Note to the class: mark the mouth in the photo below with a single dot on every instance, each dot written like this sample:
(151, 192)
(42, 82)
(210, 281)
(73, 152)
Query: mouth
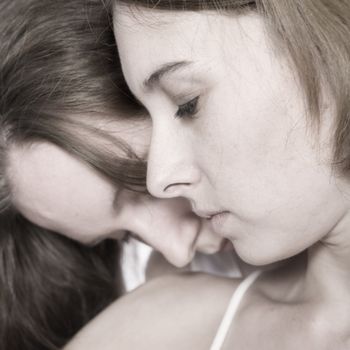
(208, 215)
(217, 219)
(211, 216)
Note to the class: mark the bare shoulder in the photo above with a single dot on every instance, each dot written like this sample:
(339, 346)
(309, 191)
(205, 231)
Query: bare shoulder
(171, 312)
(187, 285)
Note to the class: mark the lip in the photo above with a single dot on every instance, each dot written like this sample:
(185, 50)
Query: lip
(206, 214)
(216, 218)
(218, 222)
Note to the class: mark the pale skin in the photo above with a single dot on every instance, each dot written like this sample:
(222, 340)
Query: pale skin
(229, 109)
(163, 314)
(295, 203)
(184, 311)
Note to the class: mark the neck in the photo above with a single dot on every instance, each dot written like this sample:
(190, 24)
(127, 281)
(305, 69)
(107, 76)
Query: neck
(328, 271)
(328, 268)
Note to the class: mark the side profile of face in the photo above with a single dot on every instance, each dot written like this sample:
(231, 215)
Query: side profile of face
(58, 192)
(230, 130)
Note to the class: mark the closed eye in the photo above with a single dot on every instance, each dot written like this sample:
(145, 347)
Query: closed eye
(188, 109)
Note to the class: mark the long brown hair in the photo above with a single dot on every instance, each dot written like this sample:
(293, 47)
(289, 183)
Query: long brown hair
(58, 74)
(314, 34)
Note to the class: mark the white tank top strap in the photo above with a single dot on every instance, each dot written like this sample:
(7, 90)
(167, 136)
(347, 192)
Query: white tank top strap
(232, 308)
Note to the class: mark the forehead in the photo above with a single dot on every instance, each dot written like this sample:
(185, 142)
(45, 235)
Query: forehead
(165, 37)
(158, 31)
(51, 187)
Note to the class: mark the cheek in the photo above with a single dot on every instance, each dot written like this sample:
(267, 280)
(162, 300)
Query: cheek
(265, 168)
(288, 234)
(269, 228)
(247, 147)
(89, 215)
(282, 220)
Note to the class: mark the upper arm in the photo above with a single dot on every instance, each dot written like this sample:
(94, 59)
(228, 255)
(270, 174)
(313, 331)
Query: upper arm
(175, 312)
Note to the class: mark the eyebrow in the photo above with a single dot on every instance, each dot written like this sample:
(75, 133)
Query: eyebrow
(165, 69)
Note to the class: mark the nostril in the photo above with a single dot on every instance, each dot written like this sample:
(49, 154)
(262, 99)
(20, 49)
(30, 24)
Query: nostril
(174, 186)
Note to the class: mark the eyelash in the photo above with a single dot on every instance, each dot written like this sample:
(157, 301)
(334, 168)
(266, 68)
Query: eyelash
(126, 237)
(188, 109)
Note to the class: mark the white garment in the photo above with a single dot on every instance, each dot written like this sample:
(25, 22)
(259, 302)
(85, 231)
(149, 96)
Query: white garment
(134, 261)
(231, 311)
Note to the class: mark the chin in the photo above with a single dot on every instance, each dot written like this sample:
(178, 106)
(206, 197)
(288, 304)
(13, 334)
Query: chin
(258, 257)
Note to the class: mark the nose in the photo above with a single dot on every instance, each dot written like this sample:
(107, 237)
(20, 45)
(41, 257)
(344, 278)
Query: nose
(177, 244)
(172, 170)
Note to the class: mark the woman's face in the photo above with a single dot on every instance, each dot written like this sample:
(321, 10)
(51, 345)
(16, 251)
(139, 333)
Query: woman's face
(58, 192)
(230, 131)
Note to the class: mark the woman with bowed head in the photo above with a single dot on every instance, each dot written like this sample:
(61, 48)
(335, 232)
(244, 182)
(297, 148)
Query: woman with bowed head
(250, 108)
(72, 174)
(50, 285)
